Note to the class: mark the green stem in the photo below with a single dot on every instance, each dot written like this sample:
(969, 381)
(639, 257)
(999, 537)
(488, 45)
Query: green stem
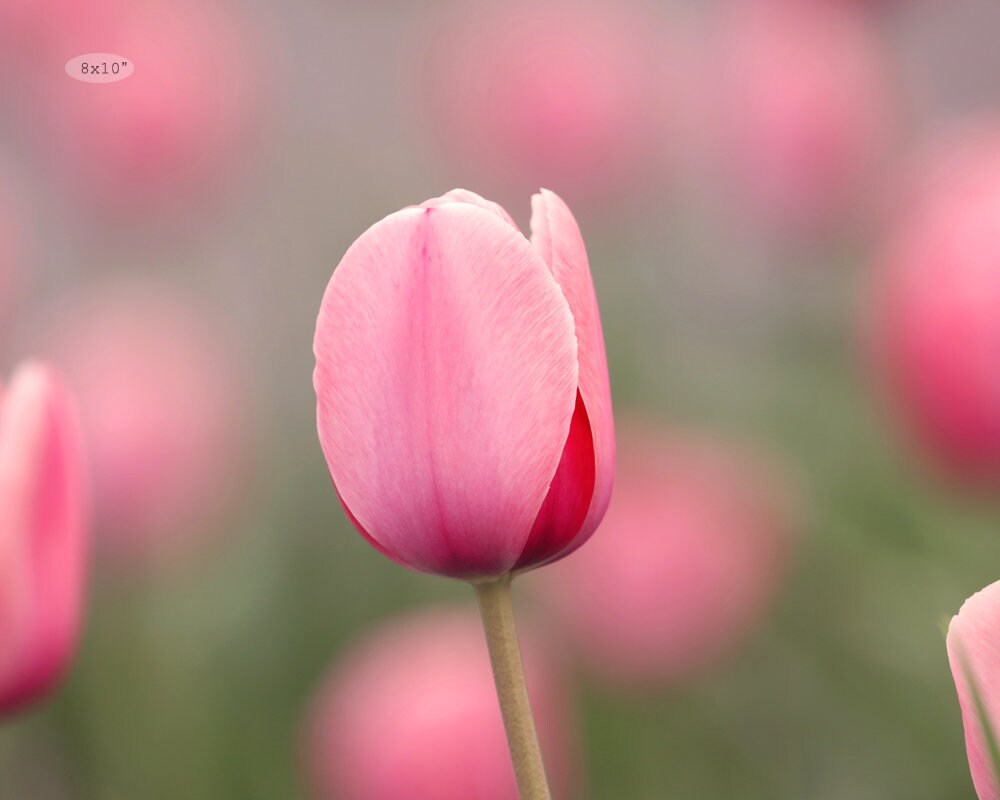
(512, 691)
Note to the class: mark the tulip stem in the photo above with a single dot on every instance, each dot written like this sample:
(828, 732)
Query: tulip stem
(512, 690)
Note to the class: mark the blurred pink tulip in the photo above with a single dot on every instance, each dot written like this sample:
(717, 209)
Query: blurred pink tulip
(411, 714)
(29, 29)
(166, 136)
(43, 535)
(564, 94)
(935, 315)
(165, 411)
(803, 110)
(692, 551)
(463, 399)
(974, 652)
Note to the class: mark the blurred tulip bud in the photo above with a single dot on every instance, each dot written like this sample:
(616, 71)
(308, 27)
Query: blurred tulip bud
(411, 714)
(563, 94)
(30, 29)
(165, 410)
(974, 654)
(164, 138)
(690, 555)
(935, 312)
(43, 535)
(463, 399)
(802, 110)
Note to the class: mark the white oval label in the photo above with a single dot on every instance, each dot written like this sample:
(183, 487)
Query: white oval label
(99, 68)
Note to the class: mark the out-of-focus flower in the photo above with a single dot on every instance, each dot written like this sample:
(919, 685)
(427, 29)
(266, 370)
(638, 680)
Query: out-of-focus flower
(463, 398)
(162, 139)
(166, 414)
(692, 551)
(801, 110)
(44, 535)
(935, 315)
(974, 654)
(411, 714)
(564, 94)
(30, 29)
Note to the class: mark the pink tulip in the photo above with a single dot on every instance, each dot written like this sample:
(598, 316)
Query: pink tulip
(31, 28)
(803, 110)
(974, 654)
(687, 562)
(164, 408)
(562, 93)
(167, 136)
(936, 306)
(463, 399)
(43, 535)
(411, 714)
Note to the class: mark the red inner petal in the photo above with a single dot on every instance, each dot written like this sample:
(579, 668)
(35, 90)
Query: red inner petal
(565, 506)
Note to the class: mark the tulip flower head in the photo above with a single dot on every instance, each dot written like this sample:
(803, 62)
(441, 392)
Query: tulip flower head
(43, 535)
(411, 714)
(463, 399)
(692, 551)
(565, 93)
(935, 315)
(166, 137)
(33, 26)
(804, 109)
(974, 655)
(163, 404)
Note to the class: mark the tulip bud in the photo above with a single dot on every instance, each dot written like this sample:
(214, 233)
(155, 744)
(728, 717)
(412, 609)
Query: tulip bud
(569, 94)
(462, 388)
(974, 655)
(43, 535)
(171, 134)
(803, 110)
(164, 407)
(688, 559)
(935, 315)
(411, 714)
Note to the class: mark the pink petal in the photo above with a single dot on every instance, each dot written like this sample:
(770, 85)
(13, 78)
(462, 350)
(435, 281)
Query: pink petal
(556, 236)
(465, 196)
(934, 315)
(446, 373)
(974, 645)
(14, 577)
(566, 505)
(44, 534)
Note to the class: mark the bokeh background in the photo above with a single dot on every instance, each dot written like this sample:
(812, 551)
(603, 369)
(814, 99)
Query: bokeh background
(737, 168)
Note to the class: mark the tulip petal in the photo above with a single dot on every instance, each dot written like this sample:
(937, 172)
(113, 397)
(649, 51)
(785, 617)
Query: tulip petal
(974, 655)
(367, 536)
(562, 514)
(556, 236)
(446, 374)
(41, 480)
(14, 572)
(465, 196)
